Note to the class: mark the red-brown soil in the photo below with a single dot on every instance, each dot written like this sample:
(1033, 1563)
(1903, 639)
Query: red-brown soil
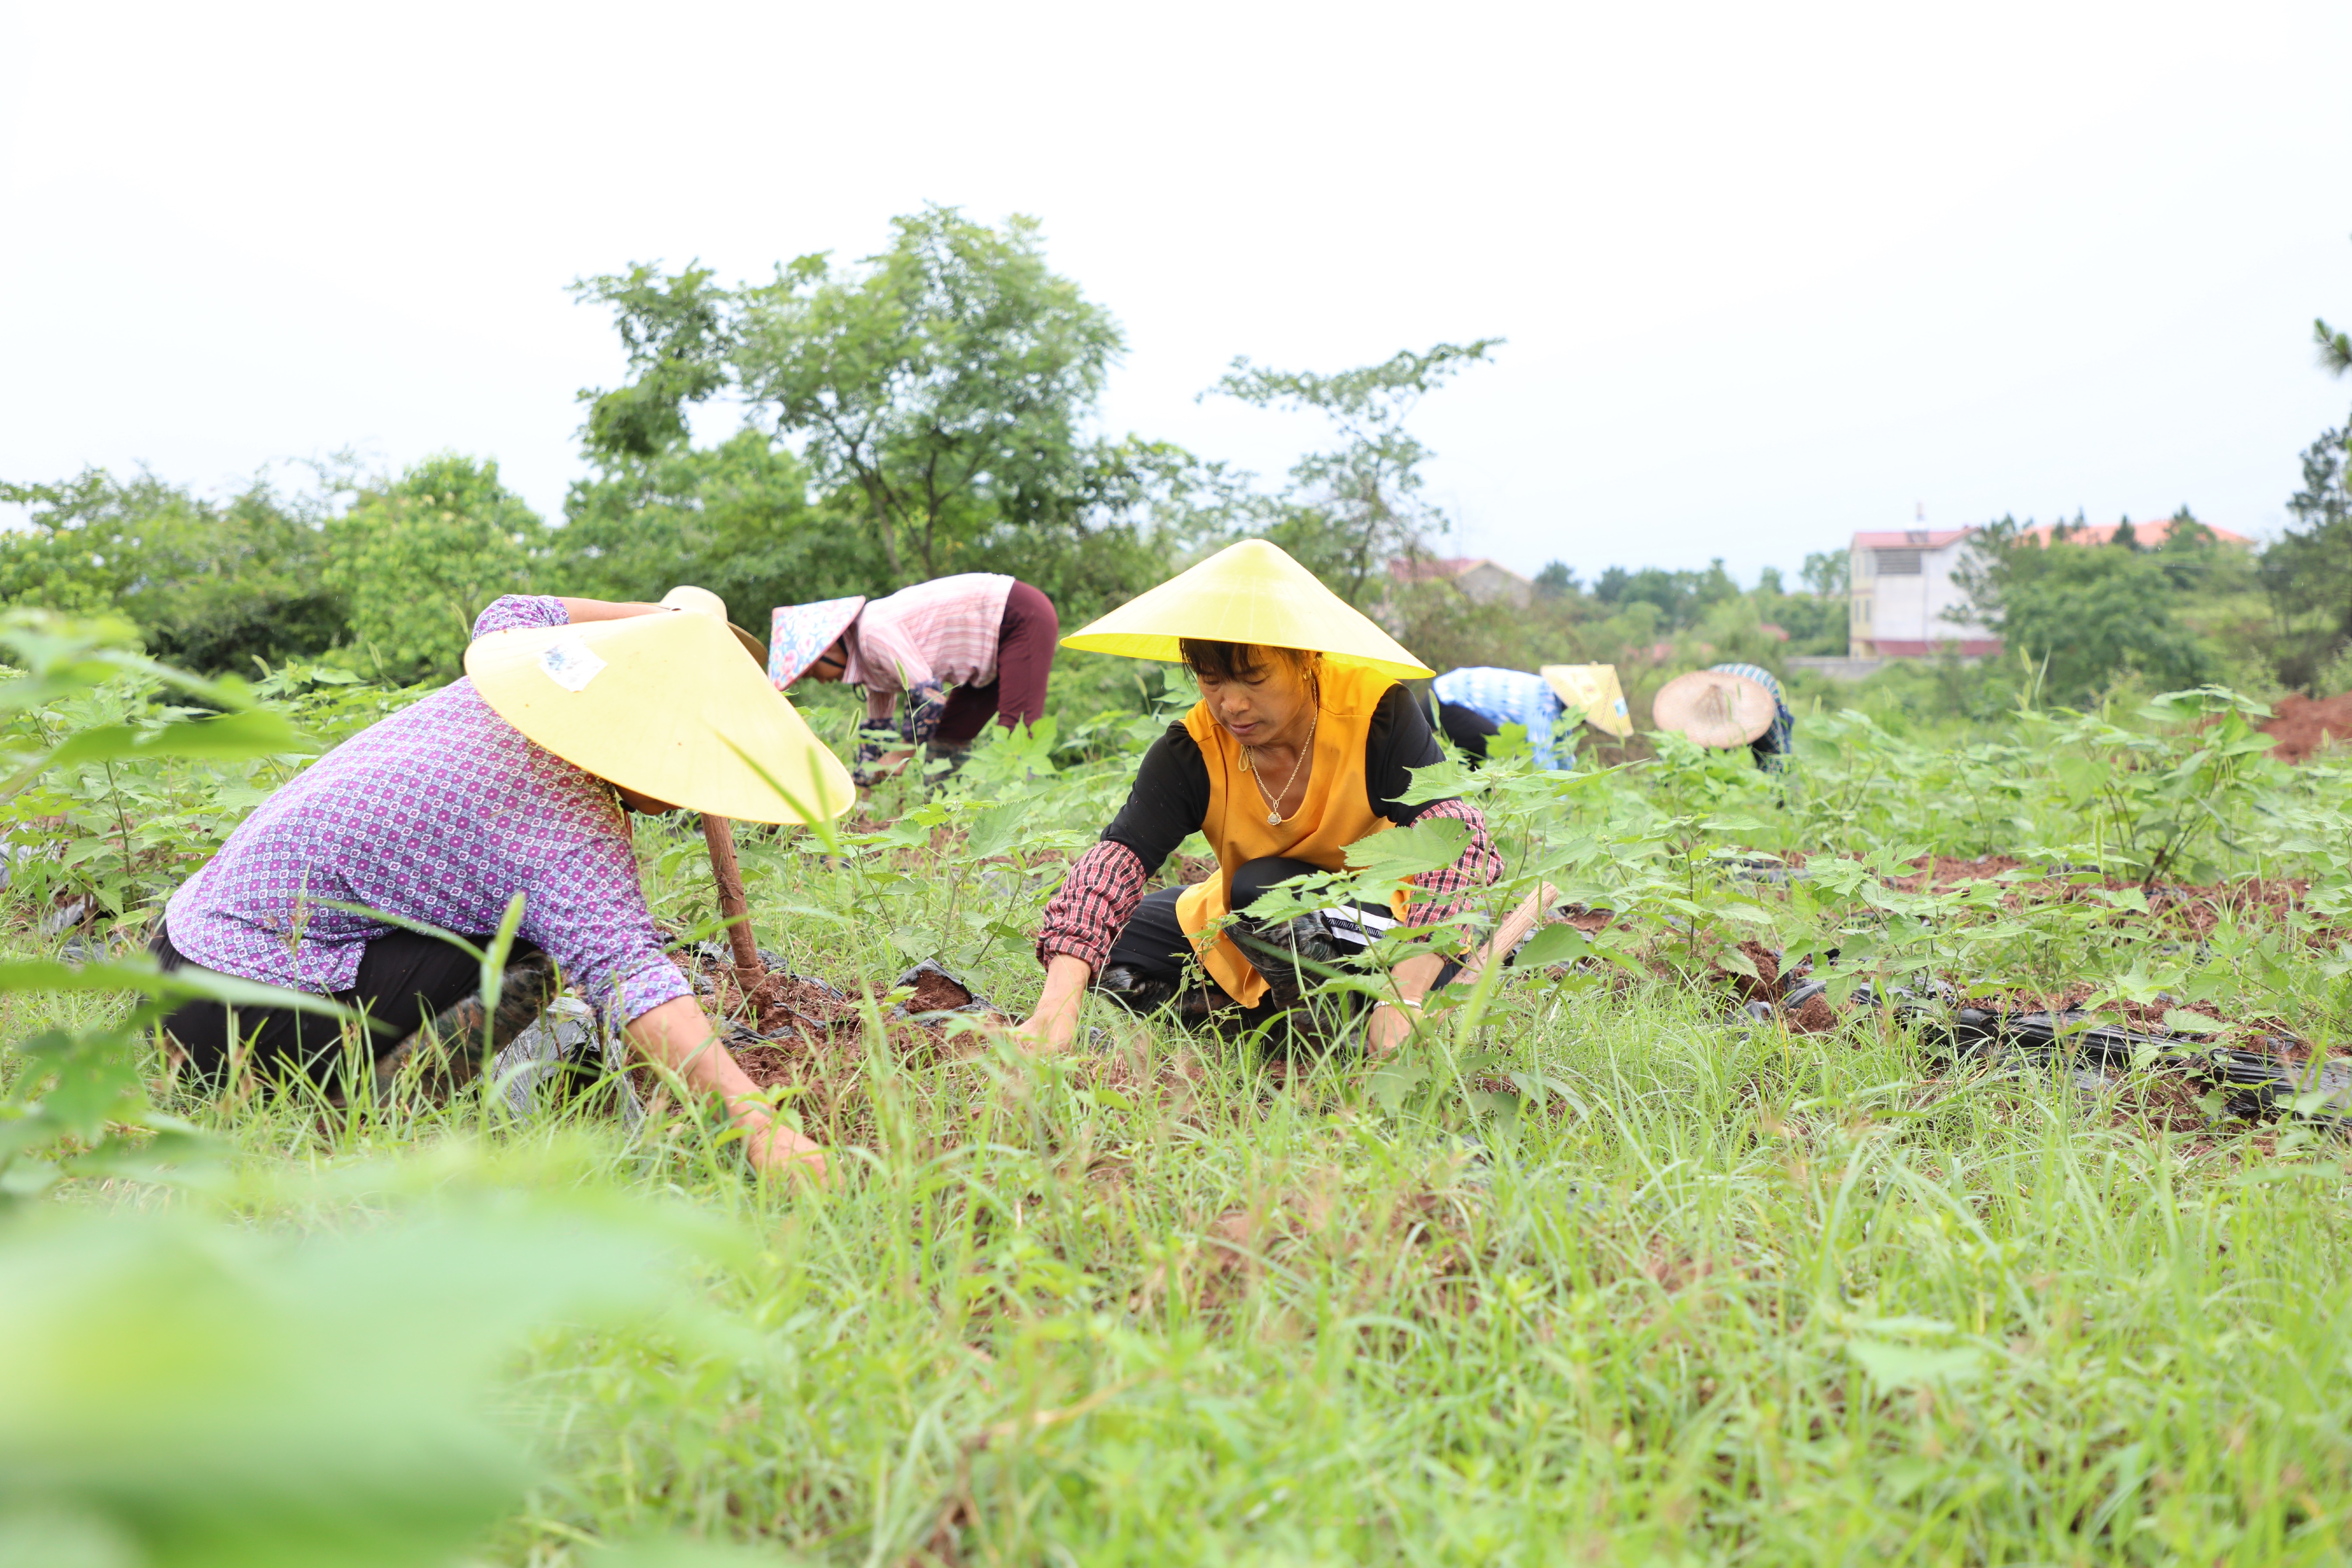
(1814, 1017)
(935, 992)
(788, 1001)
(2303, 725)
(1765, 986)
(2197, 907)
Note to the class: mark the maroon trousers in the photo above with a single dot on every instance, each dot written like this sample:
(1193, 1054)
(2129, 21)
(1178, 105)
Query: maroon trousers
(1025, 657)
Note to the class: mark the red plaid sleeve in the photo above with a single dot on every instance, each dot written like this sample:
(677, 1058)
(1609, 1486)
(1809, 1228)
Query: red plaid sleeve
(1450, 890)
(1093, 902)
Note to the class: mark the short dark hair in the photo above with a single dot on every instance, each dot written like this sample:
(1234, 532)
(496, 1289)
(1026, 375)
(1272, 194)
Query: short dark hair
(1238, 660)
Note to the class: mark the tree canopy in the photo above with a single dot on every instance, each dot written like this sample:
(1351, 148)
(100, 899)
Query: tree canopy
(416, 558)
(945, 382)
(2083, 614)
(1348, 510)
(214, 585)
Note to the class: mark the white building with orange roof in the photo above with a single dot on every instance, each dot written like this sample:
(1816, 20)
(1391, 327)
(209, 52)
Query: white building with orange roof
(1900, 587)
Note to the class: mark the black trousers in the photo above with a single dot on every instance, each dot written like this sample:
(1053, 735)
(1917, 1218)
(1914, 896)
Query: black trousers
(1153, 948)
(1468, 729)
(403, 980)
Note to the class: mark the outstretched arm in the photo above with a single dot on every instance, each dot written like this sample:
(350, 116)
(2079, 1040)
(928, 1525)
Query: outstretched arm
(1098, 895)
(1054, 1026)
(677, 1035)
(584, 610)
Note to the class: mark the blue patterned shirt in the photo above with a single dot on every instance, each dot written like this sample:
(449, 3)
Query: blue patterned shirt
(1508, 696)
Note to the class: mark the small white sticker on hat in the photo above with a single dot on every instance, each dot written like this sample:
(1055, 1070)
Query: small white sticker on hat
(570, 663)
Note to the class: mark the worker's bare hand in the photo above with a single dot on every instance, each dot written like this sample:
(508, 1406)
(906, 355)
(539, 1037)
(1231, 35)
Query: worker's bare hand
(777, 1150)
(1040, 1036)
(1387, 1031)
(1053, 1028)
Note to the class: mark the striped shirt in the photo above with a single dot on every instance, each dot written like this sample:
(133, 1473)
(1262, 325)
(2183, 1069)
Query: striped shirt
(940, 633)
(1773, 741)
(1508, 696)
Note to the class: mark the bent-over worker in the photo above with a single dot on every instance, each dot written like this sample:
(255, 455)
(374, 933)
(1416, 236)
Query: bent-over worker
(518, 778)
(961, 650)
(1728, 705)
(1475, 702)
(1300, 746)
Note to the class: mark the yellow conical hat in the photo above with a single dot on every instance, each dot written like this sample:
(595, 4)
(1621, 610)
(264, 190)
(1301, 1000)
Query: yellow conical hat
(1591, 692)
(1247, 593)
(668, 705)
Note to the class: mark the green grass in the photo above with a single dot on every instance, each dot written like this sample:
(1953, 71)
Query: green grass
(1746, 1296)
(1718, 1294)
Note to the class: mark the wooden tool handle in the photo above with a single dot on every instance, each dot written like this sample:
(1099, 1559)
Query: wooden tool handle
(720, 835)
(1516, 924)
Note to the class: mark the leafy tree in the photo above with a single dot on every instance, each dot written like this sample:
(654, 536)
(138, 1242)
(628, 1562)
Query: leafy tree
(1133, 509)
(2335, 348)
(1815, 623)
(1681, 597)
(2308, 570)
(1827, 574)
(212, 586)
(416, 559)
(1349, 510)
(2087, 615)
(1556, 581)
(943, 384)
(677, 331)
(735, 518)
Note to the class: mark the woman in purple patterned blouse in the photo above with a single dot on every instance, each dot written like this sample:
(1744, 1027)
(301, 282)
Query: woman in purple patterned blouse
(440, 814)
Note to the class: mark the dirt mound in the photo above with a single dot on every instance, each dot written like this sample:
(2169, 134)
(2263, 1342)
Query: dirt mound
(1796, 999)
(1813, 1015)
(1765, 984)
(2303, 725)
(937, 992)
(782, 1002)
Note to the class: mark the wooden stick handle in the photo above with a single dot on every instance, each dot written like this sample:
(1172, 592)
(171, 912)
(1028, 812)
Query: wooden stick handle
(720, 835)
(1516, 924)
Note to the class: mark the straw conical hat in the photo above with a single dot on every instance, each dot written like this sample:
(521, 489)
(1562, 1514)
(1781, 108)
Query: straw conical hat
(1248, 592)
(1713, 707)
(667, 705)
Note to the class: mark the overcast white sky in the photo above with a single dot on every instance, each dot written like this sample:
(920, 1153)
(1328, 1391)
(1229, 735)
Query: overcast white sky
(1769, 274)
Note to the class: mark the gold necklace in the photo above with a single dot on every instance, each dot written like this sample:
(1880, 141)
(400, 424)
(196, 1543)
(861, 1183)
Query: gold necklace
(1306, 750)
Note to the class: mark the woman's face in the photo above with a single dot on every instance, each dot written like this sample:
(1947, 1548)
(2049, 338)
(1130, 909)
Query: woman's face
(832, 663)
(1266, 708)
(644, 804)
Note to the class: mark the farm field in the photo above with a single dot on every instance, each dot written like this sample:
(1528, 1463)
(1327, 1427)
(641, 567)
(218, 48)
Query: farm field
(1929, 1154)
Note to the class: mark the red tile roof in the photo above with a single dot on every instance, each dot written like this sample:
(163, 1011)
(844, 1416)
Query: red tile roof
(2149, 533)
(1894, 648)
(1912, 537)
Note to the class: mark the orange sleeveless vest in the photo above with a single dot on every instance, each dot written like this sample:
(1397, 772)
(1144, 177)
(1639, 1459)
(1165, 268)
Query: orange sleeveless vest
(1337, 812)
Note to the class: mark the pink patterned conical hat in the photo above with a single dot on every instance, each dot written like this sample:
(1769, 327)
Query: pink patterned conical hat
(803, 632)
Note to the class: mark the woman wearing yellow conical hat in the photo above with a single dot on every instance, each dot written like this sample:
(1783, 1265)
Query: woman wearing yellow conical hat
(516, 779)
(1300, 746)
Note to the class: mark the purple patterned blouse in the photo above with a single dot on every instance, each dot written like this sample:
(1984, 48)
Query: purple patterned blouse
(440, 813)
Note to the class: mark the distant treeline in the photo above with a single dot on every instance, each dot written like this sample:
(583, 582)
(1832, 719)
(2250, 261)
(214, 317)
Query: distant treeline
(928, 410)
